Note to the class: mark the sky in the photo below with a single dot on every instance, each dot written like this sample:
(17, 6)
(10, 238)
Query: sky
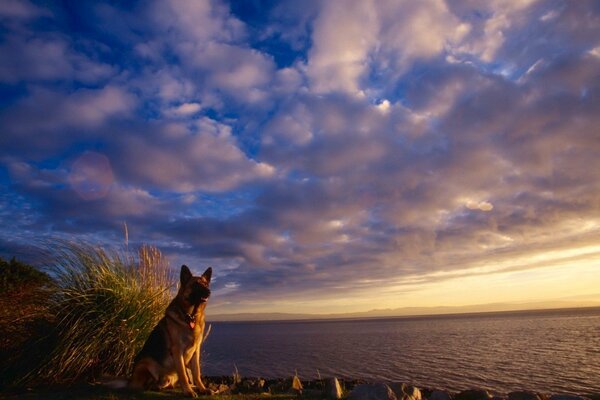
(321, 156)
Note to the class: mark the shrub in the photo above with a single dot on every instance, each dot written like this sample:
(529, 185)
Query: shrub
(15, 275)
(24, 317)
(105, 304)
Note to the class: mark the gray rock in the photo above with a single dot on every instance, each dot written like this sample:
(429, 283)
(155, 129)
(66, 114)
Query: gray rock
(378, 391)
(333, 389)
(525, 395)
(406, 392)
(219, 388)
(440, 395)
(296, 385)
(473, 394)
(413, 392)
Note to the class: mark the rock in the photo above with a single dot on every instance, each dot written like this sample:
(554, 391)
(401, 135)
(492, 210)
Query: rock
(219, 389)
(473, 394)
(440, 395)
(566, 397)
(296, 385)
(379, 391)
(248, 385)
(333, 389)
(525, 395)
(413, 392)
(406, 392)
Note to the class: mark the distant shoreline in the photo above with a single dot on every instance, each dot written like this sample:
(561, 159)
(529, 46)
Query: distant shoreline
(283, 317)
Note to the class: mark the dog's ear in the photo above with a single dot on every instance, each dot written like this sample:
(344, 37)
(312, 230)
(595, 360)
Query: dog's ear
(207, 274)
(185, 275)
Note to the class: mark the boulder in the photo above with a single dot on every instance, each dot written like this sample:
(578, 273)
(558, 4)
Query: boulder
(473, 394)
(333, 389)
(296, 385)
(379, 391)
(440, 395)
(406, 392)
(413, 392)
(219, 388)
(525, 395)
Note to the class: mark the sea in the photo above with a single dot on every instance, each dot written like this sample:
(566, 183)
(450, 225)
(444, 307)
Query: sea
(552, 351)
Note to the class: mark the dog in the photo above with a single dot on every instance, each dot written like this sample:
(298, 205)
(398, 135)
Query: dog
(175, 343)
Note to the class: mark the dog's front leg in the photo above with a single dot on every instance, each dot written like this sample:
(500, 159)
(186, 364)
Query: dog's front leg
(182, 374)
(196, 372)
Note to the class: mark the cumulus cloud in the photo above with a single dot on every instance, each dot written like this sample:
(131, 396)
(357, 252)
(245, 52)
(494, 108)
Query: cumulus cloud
(207, 39)
(47, 119)
(181, 158)
(357, 40)
(185, 109)
(389, 145)
(344, 33)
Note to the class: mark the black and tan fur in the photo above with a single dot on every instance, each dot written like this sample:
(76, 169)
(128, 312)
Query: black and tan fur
(174, 344)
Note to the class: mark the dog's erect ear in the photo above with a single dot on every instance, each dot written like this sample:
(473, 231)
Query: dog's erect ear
(207, 274)
(185, 275)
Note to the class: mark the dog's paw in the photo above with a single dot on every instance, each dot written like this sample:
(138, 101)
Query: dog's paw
(206, 392)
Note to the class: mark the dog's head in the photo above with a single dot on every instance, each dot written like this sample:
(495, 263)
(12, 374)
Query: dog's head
(194, 289)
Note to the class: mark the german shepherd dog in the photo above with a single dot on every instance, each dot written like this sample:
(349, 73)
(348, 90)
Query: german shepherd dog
(174, 344)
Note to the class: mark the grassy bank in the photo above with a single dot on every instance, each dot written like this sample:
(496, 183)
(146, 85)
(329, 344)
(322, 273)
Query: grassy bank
(87, 316)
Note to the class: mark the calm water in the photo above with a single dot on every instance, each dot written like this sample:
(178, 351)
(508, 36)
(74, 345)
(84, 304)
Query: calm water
(551, 352)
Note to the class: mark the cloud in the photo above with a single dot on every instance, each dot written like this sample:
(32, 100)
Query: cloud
(61, 202)
(357, 40)
(200, 156)
(208, 41)
(373, 145)
(16, 9)
(47, 57)
(343, 35)
(185, 109)
(46, 119)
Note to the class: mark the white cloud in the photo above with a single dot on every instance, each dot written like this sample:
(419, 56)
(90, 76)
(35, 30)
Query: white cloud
(354, 38)
(47, 57)
(595, 51)
(384, 106)
(485, 41)
(214, 61)
(344, 33)
(47, 114)
(185, 109)
(479, 205)
(207, 159)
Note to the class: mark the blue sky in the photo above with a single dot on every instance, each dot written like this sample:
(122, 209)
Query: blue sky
(322, 156)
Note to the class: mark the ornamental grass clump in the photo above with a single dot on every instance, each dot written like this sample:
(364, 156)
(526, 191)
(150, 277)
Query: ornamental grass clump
(105, 305)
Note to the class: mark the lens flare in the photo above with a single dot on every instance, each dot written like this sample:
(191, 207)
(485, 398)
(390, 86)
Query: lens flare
(91, 176)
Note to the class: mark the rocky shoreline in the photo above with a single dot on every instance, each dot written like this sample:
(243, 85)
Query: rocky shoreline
(334, 389)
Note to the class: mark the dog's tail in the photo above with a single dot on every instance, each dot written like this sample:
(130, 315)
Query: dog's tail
(114, 383)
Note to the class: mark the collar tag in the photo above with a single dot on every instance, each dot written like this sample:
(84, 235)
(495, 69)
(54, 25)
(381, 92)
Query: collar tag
(191, 320)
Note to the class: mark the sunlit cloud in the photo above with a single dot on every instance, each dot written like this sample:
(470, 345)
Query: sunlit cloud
(330, 156)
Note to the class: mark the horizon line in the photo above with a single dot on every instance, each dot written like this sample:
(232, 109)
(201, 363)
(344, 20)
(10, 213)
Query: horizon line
(294, 317)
